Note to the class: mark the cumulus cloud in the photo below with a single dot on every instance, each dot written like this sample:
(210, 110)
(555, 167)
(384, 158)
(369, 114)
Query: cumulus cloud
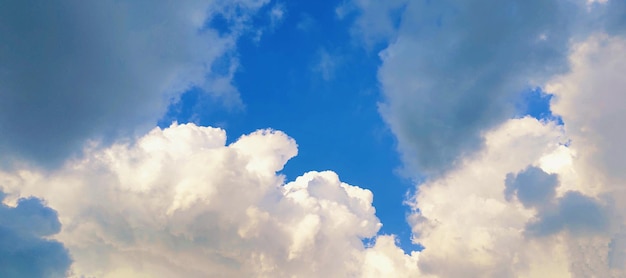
(178, 202)
(538, 188)
(385, 259)
(589, 99)
(25, 249)
(501, 194)
(504, 198)
(467, 225)
(74, 70)
(480, 220)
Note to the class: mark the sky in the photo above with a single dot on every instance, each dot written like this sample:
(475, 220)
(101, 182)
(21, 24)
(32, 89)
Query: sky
(340, 138)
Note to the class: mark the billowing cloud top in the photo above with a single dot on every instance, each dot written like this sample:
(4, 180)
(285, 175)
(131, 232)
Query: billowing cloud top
(498, 194)
(178, 202)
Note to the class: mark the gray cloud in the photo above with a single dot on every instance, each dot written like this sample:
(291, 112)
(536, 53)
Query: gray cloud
(74, 70)
(575, 212)
(456, 66)
(615, 14)
(24, 250)
(532, 186)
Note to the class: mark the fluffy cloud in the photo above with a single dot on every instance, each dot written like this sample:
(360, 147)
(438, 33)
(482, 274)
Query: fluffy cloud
(502, 197)
(589, 99)
(72, 70)
(25, 250)
(481, 220)
(540, 200)
(178, 202)
(467, 225)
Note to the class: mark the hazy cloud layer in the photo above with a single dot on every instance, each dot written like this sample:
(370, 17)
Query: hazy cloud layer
(590, 100)
(73, 70)
(25, 250)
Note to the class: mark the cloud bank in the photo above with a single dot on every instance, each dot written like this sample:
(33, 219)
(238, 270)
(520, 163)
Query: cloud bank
(455, 67)
(501, 197)
(504, 197)
(178, 202)
(75, 70)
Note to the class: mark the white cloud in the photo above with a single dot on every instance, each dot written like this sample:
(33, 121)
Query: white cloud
(76, 70)
(504, 213)
(385, 259)
(501, 197)
(178, 202)
(589, 99)
(466, 224)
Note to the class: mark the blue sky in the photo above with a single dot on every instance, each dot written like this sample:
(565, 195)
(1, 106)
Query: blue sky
(331, 112)
(416, 138)
(332, 115)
